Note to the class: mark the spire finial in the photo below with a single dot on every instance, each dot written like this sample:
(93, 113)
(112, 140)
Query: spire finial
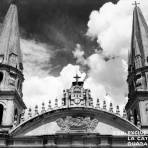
(14, 1)
(77, 78)
(135, 3)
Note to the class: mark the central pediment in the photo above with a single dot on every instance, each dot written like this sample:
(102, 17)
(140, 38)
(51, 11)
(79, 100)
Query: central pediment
(74, 119)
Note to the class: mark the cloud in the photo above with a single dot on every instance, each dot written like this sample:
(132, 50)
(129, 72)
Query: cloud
(111, 74)
(38, 89)
(36, 57)
(112, 26)
(78, 53)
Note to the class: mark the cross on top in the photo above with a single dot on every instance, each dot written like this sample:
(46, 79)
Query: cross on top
(77, 77)
(14, 1)
(135, 3)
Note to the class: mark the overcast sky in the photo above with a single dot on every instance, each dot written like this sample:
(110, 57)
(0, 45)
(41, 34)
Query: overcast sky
(60, 38)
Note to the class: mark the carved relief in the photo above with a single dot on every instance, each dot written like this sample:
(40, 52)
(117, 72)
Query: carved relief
(12, 59)
(79, 123)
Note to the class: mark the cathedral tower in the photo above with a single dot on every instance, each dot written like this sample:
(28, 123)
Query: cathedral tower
(11, 68)
(138, 70)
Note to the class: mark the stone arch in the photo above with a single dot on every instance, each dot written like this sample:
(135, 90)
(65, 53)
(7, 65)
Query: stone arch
(51, 116)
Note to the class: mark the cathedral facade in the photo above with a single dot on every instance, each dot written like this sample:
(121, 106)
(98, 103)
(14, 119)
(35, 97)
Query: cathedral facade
(77, 122)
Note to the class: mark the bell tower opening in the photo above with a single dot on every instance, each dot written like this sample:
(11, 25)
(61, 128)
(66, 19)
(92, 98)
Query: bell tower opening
(1, 113)
(1, 77)
(135, 117)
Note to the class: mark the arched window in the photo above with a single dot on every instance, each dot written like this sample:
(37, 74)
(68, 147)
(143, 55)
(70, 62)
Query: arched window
(135, 117)
(1, 113)
(18, 84)
(1, 77)
(15, 115)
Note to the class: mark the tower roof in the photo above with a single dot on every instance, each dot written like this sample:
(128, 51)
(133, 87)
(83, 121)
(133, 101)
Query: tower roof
(10, 52)
(139, 42)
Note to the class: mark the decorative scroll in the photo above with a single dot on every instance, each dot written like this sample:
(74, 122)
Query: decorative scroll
(79, 123)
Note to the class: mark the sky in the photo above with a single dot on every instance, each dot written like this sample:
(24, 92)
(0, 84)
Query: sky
(62, 38)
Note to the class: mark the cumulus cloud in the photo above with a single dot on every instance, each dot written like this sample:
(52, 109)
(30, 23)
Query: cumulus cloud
(42, 89)
(112, 26)
(35, 57)
(79, 54)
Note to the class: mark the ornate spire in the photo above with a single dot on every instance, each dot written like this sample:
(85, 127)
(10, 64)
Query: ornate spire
(10, 52)
(138, 56)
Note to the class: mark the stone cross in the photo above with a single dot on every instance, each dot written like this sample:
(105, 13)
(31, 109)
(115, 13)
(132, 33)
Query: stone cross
(135, 3)
(77, 77)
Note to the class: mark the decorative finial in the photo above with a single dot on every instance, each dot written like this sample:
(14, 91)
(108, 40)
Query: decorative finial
(124, 114)
(117, 110)
(22, 116)
(104, 105)
(56, 103)
(111, 107)
(98, 104)
(49, 105)
(77, 78)
(29, 113)
(138, 121)
(36, 110)
(14, 1)
(43, 108)
(135, 4)
(131, 117)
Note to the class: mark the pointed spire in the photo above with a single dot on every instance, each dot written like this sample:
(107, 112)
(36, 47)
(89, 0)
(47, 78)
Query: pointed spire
(10, 52)
(138, 56)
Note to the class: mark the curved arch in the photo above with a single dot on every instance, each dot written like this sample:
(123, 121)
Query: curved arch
(3, 103)
(102, 115)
